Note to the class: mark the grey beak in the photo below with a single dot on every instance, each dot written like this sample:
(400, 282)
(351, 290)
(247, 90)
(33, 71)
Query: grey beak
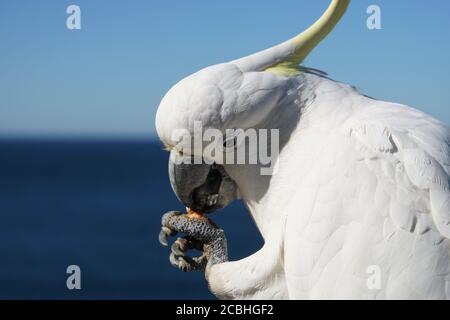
(202, 187)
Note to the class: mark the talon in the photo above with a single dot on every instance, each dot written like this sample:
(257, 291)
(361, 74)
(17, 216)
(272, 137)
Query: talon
(184, 264)
(163, 238)
(201, 261)
(179, 247)
(164, 234)
(188, 264)
(173, 260)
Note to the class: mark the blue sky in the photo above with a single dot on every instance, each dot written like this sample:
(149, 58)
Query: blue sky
(106, 80)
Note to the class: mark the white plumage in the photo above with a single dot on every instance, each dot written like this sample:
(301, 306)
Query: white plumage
(360, 183)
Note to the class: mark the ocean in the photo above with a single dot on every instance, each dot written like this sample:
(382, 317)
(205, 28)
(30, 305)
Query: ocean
(97, 205)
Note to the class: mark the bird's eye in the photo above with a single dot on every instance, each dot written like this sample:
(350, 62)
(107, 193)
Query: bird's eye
(178, 151)
(230, 142)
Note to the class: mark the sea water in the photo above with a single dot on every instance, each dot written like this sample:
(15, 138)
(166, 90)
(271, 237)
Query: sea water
(96, 205)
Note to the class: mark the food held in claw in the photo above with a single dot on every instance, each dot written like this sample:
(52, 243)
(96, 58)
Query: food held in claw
(191, 214)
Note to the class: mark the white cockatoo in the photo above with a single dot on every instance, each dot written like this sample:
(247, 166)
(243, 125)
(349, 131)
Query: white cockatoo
(359, 206)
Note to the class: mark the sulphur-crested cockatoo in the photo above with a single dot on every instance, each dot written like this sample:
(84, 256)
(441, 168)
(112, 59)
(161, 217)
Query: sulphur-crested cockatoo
(359, 205)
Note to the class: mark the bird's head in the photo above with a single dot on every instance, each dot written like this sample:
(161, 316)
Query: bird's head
(197, 113)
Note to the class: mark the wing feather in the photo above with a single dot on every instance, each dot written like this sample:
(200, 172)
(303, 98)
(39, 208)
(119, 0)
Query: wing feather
(376, 194)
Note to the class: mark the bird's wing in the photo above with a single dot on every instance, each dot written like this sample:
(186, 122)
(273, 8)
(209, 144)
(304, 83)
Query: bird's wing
(422, 147)
(376, 195)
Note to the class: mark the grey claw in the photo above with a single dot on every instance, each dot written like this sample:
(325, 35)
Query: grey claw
(180, 263)
(179, 247)
(164, 234)
(184, 264)
(162, 237)
(173, 260)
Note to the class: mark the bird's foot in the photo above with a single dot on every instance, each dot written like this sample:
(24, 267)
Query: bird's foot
(200, 233)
